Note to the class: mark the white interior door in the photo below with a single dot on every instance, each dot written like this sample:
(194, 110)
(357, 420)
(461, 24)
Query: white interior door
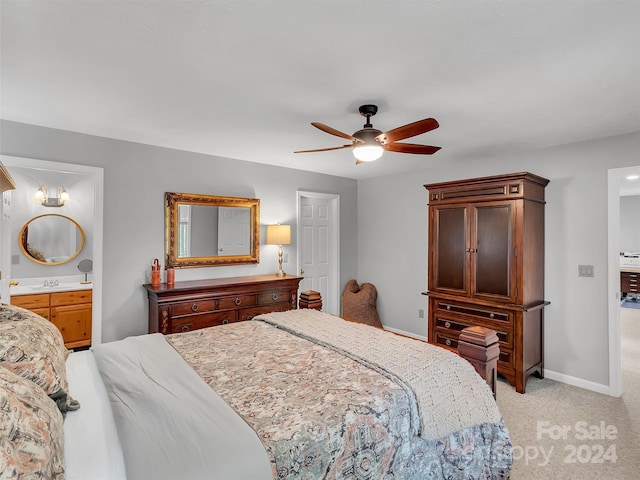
(234, 234)
(319, 246)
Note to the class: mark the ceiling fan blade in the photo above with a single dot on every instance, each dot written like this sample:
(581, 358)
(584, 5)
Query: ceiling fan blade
(409, 130)
(411, 148)
(323, 149)
(332, 131)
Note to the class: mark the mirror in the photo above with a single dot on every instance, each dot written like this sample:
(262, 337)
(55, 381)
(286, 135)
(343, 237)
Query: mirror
(51, 239)
(207, 230)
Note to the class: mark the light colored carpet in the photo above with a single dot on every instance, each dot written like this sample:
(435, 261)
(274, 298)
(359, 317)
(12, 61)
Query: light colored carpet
(564, 432)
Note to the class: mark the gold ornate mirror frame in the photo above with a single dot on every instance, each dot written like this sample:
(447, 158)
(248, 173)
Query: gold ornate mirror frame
(183, 231)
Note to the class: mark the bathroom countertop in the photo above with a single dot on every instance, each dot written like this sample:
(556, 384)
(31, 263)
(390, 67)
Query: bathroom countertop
(30, 289)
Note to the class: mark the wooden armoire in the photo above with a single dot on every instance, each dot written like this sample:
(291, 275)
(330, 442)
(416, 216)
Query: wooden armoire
(486, 266)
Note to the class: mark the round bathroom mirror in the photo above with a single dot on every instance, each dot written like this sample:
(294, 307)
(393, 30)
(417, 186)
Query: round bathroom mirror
(51, 239)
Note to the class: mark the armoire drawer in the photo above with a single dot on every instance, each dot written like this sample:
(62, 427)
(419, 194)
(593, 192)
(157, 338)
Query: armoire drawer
(475, 313)
(453, 328)
(446, 339)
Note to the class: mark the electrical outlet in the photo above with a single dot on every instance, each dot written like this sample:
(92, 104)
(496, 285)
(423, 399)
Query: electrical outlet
(421, 313)
(585, 270)
(285, 258)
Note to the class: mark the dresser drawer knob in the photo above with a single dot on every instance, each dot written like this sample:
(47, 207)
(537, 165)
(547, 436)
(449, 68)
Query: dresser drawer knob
(447, 324)
(237, 301)
(274, 296)
(448, 342)
(225, 321)
(185, 328)
(448, 307)
(491, 315)
(194, 307)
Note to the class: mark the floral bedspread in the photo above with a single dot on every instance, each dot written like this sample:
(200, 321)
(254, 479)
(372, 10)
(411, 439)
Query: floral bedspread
(323, 414)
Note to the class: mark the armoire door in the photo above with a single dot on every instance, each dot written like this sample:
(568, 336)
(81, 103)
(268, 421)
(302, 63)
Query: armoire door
(492, 250)
(449, 266)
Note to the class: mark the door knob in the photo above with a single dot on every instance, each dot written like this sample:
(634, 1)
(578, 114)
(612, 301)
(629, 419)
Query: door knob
(302, 271)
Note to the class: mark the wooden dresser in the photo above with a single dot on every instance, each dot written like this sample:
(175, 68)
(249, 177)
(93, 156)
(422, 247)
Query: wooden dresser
(191, 305)
(486, 267)
(70, 311)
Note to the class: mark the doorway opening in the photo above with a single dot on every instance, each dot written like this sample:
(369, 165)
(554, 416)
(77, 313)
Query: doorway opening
(617, 186)
(96, 176)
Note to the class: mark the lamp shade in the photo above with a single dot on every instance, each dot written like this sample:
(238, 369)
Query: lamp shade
(278, 234)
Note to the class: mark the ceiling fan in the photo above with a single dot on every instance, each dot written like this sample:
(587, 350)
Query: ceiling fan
(369, 143)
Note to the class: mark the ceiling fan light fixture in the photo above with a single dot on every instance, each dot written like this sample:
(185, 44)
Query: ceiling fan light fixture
(367, 152)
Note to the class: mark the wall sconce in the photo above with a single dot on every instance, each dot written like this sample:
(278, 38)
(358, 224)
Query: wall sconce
(42, 197)
(279, 235)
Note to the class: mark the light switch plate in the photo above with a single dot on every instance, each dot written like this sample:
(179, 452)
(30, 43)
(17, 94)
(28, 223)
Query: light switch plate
(585, 270)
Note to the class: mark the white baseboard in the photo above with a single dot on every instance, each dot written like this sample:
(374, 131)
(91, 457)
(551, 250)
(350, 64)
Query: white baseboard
(578, 382)
(550, 374)
(406, 334)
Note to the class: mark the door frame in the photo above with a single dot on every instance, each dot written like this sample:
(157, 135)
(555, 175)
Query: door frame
(332, 306)
(613, 296)
(97, 174)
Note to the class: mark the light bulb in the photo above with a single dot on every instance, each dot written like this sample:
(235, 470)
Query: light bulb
(64, 195)
(39, 195)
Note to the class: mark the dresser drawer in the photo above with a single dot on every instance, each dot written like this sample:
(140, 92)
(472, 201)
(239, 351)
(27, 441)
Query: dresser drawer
(453, 329)
(249, 313)
(227, 303)
(273, 296)
(195, 306)
(194, 322)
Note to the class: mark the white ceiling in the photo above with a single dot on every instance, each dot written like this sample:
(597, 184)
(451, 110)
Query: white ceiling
(243, 79)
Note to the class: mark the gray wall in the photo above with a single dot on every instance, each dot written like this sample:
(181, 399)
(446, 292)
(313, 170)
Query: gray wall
(135, 179)
(383, 227)
(630, 223)
(392, 249)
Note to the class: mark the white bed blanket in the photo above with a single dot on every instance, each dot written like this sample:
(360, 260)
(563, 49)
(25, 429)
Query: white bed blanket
(172, 425)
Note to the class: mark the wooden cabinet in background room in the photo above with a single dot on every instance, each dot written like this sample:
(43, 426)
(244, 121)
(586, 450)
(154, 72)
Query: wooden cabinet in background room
(190, 305)
(629, 282)
(486, 266)
(70, 311)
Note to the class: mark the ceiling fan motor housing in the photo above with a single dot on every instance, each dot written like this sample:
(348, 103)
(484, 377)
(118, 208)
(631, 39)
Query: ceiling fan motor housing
(367, 135)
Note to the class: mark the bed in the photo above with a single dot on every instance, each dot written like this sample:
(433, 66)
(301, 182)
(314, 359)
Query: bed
(293, 395)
